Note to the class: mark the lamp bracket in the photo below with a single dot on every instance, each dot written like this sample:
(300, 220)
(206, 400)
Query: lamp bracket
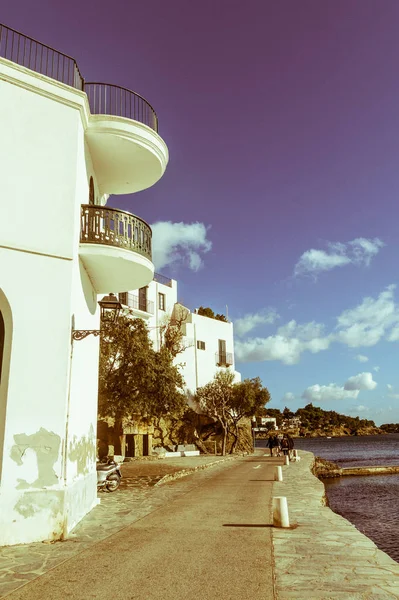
(81, 334)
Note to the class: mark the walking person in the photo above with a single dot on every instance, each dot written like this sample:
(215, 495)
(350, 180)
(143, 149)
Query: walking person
(285, 445)
(270, 443)
(290, 446)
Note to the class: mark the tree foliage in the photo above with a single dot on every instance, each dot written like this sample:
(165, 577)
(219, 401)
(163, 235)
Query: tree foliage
(214, 400)
(230, 402)
(172, 332)
(208, 312)
(248, 399)
(133, 377)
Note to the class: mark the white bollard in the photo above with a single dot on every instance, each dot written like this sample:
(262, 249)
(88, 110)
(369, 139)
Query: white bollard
(287, 460)
(278, 474)
(280, 512)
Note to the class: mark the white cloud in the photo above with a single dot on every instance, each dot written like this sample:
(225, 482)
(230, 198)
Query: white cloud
(361, 358)
(369, 322)
(364, 250)
(364, 325)
(362, 381)
(392, 393)
(274, 347)
(175, 243)
(325, 393)
(288, 397)
(361, 408)
(305, 332)
(250, 321)
(287, 346)
(315, 261)
(357, 252)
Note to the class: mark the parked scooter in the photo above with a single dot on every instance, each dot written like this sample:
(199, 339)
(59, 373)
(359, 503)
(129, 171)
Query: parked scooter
(108, 475)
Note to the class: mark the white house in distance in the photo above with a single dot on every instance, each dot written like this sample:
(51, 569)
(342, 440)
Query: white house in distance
(209, 343)
(66, 144)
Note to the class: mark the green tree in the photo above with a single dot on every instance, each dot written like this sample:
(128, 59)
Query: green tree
(214, 400)
(208, 312)
(133, 377)
(248, 399)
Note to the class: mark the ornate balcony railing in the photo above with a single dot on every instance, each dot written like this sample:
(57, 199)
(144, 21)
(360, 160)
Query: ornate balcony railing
(224, 359)
(34, 55)
(135, 302)
(108, 99)
(162, 279)
(100, 225)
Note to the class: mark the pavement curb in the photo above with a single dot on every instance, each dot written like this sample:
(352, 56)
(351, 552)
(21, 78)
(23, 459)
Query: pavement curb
(185, 472)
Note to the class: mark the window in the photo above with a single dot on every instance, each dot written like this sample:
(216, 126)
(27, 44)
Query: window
(200, 345)
(161, 301)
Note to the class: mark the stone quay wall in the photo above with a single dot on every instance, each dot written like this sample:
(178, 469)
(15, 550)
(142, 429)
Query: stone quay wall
(323, 555)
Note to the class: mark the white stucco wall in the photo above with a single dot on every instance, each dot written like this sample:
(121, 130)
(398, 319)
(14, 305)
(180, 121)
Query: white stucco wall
(48, 456)
(201, 365)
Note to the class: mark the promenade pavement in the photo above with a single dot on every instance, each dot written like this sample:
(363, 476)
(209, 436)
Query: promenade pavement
(324, 556)
(96, 539)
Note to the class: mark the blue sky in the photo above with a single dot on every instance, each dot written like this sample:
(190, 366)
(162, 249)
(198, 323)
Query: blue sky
(281, 196)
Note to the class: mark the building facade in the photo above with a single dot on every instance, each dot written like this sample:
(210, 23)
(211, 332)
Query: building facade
(208, 344)
(67, 144)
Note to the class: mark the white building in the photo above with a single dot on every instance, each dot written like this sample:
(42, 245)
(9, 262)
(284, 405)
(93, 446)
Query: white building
(65, 146)
(208, 343)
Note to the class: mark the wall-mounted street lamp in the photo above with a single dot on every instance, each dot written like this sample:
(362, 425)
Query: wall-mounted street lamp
(110, 309)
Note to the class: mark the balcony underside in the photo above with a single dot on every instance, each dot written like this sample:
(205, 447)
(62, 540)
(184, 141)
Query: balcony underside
(128, 156)
(115, 269)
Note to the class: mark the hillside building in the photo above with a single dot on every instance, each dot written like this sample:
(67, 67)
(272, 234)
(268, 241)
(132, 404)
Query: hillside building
(66, 145)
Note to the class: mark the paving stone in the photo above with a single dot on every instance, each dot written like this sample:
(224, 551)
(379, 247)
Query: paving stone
(333, 559)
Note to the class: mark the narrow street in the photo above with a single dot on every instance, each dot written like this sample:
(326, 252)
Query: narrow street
(213, 542)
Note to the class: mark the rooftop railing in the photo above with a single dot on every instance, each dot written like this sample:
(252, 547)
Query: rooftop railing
(108, 99)
(162, 279)
(101, 225)
(103, 98)
(34, 55)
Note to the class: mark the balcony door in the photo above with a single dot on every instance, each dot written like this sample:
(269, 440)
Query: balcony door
(222, 352)
(143, 299)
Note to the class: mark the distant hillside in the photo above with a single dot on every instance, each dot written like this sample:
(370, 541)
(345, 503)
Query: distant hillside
(314, 422)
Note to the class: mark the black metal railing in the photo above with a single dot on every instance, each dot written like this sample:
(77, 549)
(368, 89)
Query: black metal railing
(133, 301)
(162, 279)
(34, 55)
(108, 99)
(224, 359)
(100, 225)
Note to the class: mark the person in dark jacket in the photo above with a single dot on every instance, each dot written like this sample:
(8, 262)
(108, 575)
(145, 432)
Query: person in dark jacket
(285, 445)
(290, 446)
(271, 443)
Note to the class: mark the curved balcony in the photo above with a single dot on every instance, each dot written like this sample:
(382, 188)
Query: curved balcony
(115, 248)
(127, 152)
